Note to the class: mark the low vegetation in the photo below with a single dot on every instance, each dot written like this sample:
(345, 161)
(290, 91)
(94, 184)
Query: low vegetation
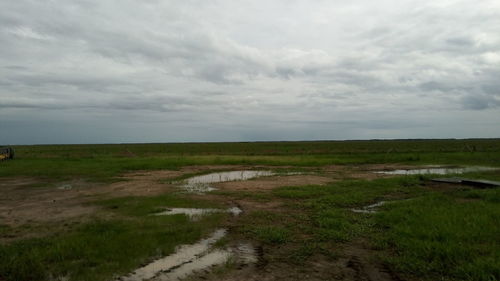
(453, 235)
(424, 232)
(102, 248)
(420, 232)
(105, 162)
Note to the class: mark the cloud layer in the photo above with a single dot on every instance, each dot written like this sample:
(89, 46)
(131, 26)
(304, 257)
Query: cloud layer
(141, 71)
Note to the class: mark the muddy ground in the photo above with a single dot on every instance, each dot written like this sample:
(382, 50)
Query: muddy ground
(31, 201)
(24, 200)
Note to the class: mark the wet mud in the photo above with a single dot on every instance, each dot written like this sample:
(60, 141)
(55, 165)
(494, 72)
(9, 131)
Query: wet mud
(191, 259)
(32, 200)
(197, 260)
(358, 264)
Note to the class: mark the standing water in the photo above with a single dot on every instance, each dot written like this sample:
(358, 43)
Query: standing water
(370, 209)
(437, 171)
(196, 213)
(189, 259)
(203, 183)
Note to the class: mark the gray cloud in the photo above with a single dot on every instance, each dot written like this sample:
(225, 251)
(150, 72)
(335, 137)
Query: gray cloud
(248, 70)
(479, 102)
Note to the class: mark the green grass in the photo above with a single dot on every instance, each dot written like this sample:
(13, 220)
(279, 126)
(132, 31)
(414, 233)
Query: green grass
(350, 193)
(314, 218)
(264, 227)
(104, 169)
(439, 235)
(261, 148)
(144, 206)
(107, 168)
(493, 175)
(329, 206)
(105, 162)
(271, 234)
(102, 248)
(436, 235)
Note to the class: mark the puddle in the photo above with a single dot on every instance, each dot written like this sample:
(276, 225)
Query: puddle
(480, 183)
(65, 187)
(245, 253)
(373, 208)
(196, 213)
(185, 254)
(370, 209)
(190, 259)
(235, 211)
(437, 171)
(213, 258)
(201, 184)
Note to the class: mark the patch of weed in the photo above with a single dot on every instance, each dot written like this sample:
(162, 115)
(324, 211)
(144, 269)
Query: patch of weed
(436, 236)
(270, 234)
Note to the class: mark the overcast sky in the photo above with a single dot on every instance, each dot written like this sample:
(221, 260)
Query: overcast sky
(98, 71)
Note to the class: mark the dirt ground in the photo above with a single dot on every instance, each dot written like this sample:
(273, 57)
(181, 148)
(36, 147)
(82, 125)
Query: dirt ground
(268, 183)
(24, 200)
(27, 200)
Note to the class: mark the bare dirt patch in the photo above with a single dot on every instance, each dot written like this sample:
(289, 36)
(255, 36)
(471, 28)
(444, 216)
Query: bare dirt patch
(272, 182)
(359, 263)
(252, 205)
(28, 200)
(356, 263)
(24, 200)
(21, 201)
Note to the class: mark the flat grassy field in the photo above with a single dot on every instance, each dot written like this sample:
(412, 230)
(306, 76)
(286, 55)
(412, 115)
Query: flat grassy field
(103, 162)
(84, 212)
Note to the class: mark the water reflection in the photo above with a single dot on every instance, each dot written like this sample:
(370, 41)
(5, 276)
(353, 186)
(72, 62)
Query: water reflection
(201, 184)
(437, 171)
